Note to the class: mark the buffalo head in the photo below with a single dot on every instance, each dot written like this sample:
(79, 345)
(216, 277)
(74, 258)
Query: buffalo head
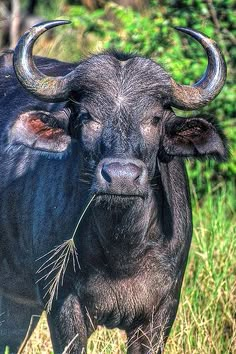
(118, 109)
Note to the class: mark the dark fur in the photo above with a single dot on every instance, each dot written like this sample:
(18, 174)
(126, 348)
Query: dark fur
(132, 250)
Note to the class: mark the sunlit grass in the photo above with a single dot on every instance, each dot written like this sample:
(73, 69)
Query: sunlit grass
(206, 317)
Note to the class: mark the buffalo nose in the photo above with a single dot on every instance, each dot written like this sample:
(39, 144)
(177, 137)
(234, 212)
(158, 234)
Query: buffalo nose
(122, 177)
(118, 173)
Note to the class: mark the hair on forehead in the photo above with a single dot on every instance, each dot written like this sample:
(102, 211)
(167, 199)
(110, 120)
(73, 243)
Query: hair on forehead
(121, 74)
(121, 56)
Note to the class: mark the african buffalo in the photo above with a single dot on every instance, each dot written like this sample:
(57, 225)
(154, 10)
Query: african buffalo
(102, 127)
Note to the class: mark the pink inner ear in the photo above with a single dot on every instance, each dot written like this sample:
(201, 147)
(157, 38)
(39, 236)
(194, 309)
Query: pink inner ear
(194, 131)
(37, 127)
(29, 130)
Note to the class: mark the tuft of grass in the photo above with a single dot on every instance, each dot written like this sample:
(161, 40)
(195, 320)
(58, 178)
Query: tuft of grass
(56, 262)
(205, 320)
(105, 341)
(55, 267)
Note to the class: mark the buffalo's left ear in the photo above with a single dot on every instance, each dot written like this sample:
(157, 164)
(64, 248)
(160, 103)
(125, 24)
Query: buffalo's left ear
(192, 137)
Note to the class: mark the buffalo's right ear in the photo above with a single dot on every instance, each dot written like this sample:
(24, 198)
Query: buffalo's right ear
(42, 131)
(188, 137)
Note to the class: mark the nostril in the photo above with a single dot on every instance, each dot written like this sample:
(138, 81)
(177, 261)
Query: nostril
(135, 173)
(136, 179)
(105, 175)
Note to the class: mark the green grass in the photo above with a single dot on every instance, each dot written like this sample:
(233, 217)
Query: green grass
(205, 321)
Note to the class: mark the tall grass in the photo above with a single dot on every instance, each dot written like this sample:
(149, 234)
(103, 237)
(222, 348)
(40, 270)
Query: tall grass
(205, 321)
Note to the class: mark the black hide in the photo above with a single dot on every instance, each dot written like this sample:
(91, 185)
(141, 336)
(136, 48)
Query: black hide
(118, 137)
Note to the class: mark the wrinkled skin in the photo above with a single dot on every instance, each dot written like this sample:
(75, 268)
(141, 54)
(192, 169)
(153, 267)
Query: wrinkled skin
(134, 240)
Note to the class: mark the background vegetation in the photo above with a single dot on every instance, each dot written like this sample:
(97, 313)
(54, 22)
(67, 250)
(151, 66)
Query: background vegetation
(206, 317)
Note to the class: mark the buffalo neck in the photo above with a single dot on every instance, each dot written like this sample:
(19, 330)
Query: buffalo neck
(126, 232)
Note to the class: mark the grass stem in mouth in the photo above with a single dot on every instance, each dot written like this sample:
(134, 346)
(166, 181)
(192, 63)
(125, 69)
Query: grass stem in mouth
(56, 264)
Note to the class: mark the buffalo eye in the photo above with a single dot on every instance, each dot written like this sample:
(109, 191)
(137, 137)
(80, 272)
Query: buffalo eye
(155, 120)
(84, 117)
(149, 128)
(89, 124)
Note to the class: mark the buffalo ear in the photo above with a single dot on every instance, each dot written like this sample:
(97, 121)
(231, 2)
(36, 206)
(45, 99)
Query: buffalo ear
(42, 131)
(192, 137)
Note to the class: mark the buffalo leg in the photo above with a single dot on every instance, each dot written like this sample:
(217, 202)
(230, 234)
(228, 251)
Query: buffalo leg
(67, 326)
(151, 337)
(15, 319)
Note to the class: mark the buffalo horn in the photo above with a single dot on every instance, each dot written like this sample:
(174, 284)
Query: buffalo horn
(211, 83)
(47, 88)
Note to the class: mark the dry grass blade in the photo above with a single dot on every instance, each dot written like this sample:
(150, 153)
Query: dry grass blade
(69, 346)
(32, 324)
(56, 263)
(154, 335)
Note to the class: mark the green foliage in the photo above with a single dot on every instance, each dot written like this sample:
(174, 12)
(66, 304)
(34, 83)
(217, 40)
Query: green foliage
(151, 34)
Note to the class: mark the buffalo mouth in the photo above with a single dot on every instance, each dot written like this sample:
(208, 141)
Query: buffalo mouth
(120, 195)
(121, 200)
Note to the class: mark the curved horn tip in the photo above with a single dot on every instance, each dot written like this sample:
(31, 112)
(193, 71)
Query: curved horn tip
(211, 83)
(44, 87)
(50, 24)
(195, 34)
